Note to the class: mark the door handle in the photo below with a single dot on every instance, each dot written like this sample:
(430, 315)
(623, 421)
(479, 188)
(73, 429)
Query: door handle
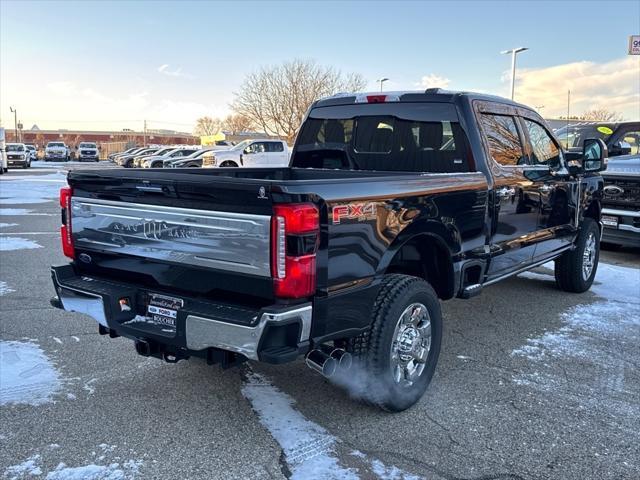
(546, 188)
(505, 192)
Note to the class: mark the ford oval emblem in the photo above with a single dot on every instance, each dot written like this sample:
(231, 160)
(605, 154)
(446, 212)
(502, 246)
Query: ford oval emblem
(613, 190)
(86, 258)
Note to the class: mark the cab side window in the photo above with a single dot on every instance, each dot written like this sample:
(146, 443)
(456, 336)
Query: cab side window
(275, 147)
(633, 139)
(258, 147)
(503, 139)
(544, 150)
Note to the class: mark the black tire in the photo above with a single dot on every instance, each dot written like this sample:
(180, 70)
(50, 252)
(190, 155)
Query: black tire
(569, 272)
(372, 350)
(613, 247)
(24, 166)
(228, 164)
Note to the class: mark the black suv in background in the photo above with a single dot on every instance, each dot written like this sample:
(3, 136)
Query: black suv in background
(621, 138)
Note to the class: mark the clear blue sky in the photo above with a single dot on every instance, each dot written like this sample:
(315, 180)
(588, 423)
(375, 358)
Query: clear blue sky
(111, 51)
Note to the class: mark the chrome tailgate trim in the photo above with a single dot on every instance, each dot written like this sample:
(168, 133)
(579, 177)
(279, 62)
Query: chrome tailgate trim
(220, 240)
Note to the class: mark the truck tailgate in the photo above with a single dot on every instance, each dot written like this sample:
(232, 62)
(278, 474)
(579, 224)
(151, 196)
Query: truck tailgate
(205, 235)
(238, 242)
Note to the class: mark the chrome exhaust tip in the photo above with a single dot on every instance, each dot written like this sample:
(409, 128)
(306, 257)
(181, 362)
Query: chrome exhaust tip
(344, 358)
(321, 362)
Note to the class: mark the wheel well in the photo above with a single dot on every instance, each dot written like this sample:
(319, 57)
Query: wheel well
(426, 257)
(593, 211)
(229, 162)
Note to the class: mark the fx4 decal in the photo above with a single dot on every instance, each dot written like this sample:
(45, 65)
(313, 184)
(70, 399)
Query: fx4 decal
(354, 211)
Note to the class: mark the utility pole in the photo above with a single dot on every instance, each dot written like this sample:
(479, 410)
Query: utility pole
(513, 53)
(145, 134)
(15, 123)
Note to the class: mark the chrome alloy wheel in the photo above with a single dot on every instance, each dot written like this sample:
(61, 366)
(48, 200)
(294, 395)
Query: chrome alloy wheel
(589, 256)
(411, 344)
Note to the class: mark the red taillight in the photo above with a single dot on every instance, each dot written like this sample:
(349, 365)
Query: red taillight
(65, 229)
(294, 237)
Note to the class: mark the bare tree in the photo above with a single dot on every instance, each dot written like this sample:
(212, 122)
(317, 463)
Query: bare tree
(237, 123)
(276, 98)
(207, 126)
(602, 115)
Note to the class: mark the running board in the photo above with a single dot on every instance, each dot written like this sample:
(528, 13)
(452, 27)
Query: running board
(471, 291)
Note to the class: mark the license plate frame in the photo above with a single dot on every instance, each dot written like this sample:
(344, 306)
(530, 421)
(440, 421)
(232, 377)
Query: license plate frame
(161, 311)
(610, 221)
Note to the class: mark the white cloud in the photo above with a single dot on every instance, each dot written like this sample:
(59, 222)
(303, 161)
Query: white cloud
(138, 105)
(433, 81)
(64, 88)
(612, 85)
(164, 69)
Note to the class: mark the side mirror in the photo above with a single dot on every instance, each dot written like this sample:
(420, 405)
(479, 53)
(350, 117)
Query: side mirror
(620, 148)
(246, 151)
(594, 155)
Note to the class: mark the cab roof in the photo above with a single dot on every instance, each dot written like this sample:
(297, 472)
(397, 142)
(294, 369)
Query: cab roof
(428, 95)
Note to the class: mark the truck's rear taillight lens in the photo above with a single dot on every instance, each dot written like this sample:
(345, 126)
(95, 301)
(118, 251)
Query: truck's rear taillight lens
(65, 229)
(295, 229)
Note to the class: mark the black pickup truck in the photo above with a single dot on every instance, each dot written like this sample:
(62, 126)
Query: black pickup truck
(391, 203)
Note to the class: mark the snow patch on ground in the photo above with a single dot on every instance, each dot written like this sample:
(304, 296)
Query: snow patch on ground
(14, 211)
(309, 449)
(593, 334)
(28, 376)
(6, 225)
(17, 243)
(30, 189)
(27, 468)
(4, 288)
(114, 471)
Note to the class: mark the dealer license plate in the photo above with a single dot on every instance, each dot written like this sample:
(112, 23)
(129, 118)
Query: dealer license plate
(162, 311)
(609, 221)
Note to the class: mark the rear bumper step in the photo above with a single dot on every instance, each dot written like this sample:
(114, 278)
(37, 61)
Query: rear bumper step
(280, 333)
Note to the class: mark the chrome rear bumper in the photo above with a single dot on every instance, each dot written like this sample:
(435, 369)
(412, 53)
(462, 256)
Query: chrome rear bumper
(200, 332)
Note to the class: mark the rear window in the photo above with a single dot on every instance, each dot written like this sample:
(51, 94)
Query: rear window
(384, 137)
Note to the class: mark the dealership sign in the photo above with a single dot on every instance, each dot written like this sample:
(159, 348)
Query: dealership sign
(634, 45)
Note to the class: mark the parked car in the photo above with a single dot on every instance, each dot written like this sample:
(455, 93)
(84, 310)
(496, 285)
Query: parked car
(88, 151)
(18, 155)
(190, 161)
(112, 156)
(250, 153)
(392, 203)
(57, 151)
(157, 161)
(33, 151)
(621, 201)
(621, 138)
(139, 159)
(127, 160)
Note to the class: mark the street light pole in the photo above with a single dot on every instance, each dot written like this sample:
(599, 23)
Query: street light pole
(15, 123)
(513, 53)
(381, 81)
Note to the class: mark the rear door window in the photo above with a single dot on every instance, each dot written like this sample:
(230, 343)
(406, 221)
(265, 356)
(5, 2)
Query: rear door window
(503, 139)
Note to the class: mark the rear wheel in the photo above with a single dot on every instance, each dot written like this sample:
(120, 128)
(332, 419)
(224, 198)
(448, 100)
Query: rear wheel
(396, 358)
(576, 269)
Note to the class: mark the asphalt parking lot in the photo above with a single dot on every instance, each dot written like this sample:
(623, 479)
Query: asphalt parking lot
(532, 383)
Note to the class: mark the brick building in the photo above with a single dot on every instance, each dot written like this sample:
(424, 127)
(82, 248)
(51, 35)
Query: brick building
(73, 137)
